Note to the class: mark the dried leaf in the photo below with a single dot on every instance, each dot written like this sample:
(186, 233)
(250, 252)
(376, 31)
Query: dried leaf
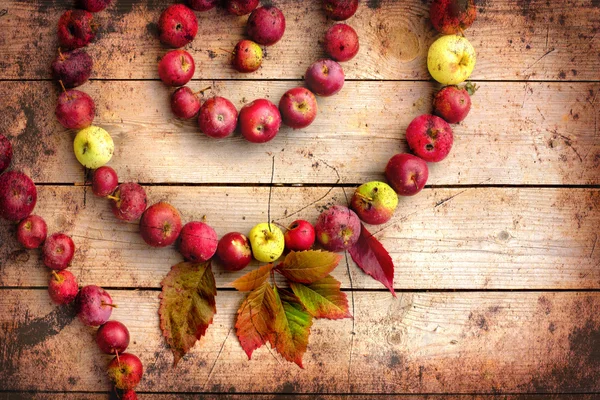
(373, 258)
(187, 305)
(308, 266)
(291, 327)
(256, 317)
(252, 279)
(323, 298)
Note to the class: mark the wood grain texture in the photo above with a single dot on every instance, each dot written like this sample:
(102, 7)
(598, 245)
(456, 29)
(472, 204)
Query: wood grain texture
(534, 39)
(290, 396)
(517, 133)
(418, 343)
(479, 238)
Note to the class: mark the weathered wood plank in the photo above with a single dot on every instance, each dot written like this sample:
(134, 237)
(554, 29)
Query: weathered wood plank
(289, 396)
(533, 39)
(419, 343)
(479, 238)
(517, 133)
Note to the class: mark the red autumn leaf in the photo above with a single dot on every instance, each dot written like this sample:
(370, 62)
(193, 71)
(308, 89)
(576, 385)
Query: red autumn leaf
(308, 266)
(255, 318)
(373, 258)
(252, 279)
(291, 327)
(323, 298)
(187, 305)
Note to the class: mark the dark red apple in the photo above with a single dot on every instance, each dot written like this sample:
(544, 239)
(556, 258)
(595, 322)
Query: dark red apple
(18, 195)
(58, 251)
(73, 68)
(176, 68)
(337, 228)
(104, 181)
(202, 5)
(340, 10)
(32, 231)
(125, 371)
(341, 42)
(266, 25)
(406, 174)
(160, 225)
(218, 117)
(452, 16)
(185, 104)
(240, 7)
(234, 251)
(94, 305)
(76, 29)
(247, 56)
(75, 109)
(112, 337)
(129, 201)
(62, 287)
(259, 121)
(298, 108)
(325, 77)
(452, 104)
(177, 25)
(300, 236)
(429, 137)
(198, 241)
(6, 153)
(93, 5)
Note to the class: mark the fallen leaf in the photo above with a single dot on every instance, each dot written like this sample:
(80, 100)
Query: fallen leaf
(308, 266)
(323, 298)
(255, 318)
(252, 279)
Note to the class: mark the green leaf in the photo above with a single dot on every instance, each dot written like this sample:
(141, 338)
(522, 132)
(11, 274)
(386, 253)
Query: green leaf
(308, 266)
(252, 279)
(291, 327)
(187, 305)
(323, 298)
(255, 318)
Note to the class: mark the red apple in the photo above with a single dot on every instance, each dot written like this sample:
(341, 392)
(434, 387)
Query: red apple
(340, 10)
(6, 153)
(247, 56)
(406, 174)
(176, 68)
(93, 5)
(18, 195)
(341, 42)
(128, 395)
(129, 201)
(300, 236)
(160, 225)
(298, 108)
(125, 371)
(94, 305)
(62, 287)
(266, 25)
(198, 241)
(32, 231)
(75, 109)
(429, 137)
(104, 181)
(202, 5)
(76, 29)
(325, 77)
(112, 337)
(177, 25)
(73, 68)
(234, 251)
(58, 251)
(259, 121)
(452, 104)
(185, 104)
(337, 228)
(452, 16)
(241, 7)
(218, 117)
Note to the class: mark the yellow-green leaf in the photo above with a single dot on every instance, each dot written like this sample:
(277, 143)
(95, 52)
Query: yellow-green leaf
(187, 305)
(255, 318)
(308, 266)
(252, 279)
(323, 298)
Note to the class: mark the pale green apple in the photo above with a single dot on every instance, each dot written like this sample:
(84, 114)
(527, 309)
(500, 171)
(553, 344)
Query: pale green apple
(267, 242)
(93, 147)
(374, 202)
(451, 59)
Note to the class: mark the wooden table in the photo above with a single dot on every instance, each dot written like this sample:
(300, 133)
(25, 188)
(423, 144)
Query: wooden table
(497, 260)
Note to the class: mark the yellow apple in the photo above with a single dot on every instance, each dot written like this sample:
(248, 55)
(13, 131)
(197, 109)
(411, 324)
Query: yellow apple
(267, 242)
(93, 147)
(451, 59)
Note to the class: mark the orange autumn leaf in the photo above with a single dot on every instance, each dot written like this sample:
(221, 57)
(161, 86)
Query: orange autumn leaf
(252, 279)
(308, 266)
(323, 298)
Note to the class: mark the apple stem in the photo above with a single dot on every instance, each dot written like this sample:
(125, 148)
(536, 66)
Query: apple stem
(60, 54)
(111, 197)
(461, 31)
(110, 305)
(55, 275)
(118, 359)
(362, 196)
(203, 90)
(62, 85)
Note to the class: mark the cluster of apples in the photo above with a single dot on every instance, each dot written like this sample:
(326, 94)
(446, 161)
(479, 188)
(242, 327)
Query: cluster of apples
(260, 120)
